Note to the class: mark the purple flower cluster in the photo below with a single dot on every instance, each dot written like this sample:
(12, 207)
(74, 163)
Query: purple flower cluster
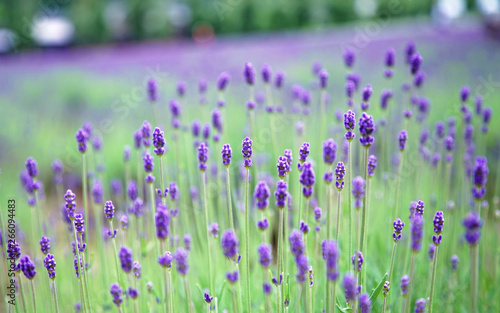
(438, 222)
(283, 167)
(472, 224)
(307, 179)
(45, 245)
(417, 230)
(126, 260)
(82, 138)
(358, 191)
(265, 255)
(165, 260)
(281, 194)
(181, 259)
(339, 176)
(366, 129)
(229, 243)
(329, 151)
(349, 124)
(226, 153)
(303, 153)
(261, 194)
(162, 222)
(480, 177)
(357, 261)
(247, 152)
(116, 293)
(109, 210)
(398, 228)
(330, 254)
(405, 282)
(158, 141)
(50, 264)
(202, 157)
(403, 137)
(372, 165)
(27, 267)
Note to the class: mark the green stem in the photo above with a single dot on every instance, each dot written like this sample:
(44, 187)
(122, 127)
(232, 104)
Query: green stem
(205, 204)
(23, 299)
(85, 283)
(56, 303)
(385, 301)
(235, 301)
(349, 196)
(474, 276)
(447, 183)
(34, 295)
(84, 186)
(412, 279)
(280, 254)
(40, 229)
(433, 280)
(80, 270)
(338, 217)
(247, 239)
(169, 281)
(364, 211)
(188, 295)
(115, 251)
(328, 211)
(229, 202)
(392, 261)
(334, 299)
(395, 209)
(163, 199)
(300, 206)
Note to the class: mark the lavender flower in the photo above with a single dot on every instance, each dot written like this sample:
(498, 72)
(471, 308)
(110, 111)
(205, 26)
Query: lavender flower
(125, 256)
(13, 250)
(472, 224)
(454, 262)
(438, 222)
(420, 305)
(82, 137)
(249, 73)
(152, 90)
(330, 254)
(339, 175)
(229, 243)
(317, 214)
(165, 260)
(261, 194)
(415, 63)
(323, 78)
(365, 304)
(137, 269)
(307, 179)
(283, 167)
(50, 264)
(27, 267)
(403, 137)
(296, 243)
(350, 288)
(405, 281)
(45, 245)
(302, 268)
(432, 249)
(158, 142)
(464, 93)
(226, 155)
(349, 57)
(181, 88)
(417, 225)
(173, 190)
(247, 152)
(304, 152)
(207, 298)
(214, 229)
(132, 190)
(367, 93)
(281, 194)
(162, 222)
(440, 130)
(278, 81)
(358, 191)
(266, 73)
(372, 165)
(146, 134)
(187, 242)
(202, 157)
(138, 139)
(116, 292)
(366, 128)
(79, 223)
(480, 177)
(304, 228)
(232, 277)
(385, 96)
(329, 151)
(109, 210)
(265, 255)
(181, 258)
(358, 259)
(148, 163)
(398, 228)
(223, 81)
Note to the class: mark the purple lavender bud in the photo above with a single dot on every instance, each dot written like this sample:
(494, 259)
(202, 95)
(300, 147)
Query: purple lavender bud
(152, 90)
(146, 133)
(223, 81)
(415, 63)
(307, 178)
(116, 292)
(449, 144)
(57, 169)
(266, 287)
(250, 105)
(202, 157)
(299, 127)
(265, 255)
(305, 97)
(480, 177)
(349, 57)
(148, 162)
(486, 115)
(339, 175)
(109, 210)
(278, 81)
(132, 190)
(385, 96)
(407, 114)
(390, 57)
(133, 293)
(329, 151)
(454, 262)
(187, 242)
(123, 223)
(464, 94)
(165, 260)
(195, 128)
(283, 167)
(27, 267)
(358, 191)
(328, 177)
(202, 85)
(214, 229)
(420, 305)
(229, 243)
(247, 148)
(432, 249)
(69, 197)
(435, 159)
(173, 190)
(372, 165)
(31, 167)
(217, 120)
(365, 304)
(296, 243)
(249, 73)
(350, 288)
(323, 79)
(398, 228)
(50, 264)
(350, 88)
(304, 228)
(419, 207)
(79, 223)
(317, 214)
(410, 50)
(366, 128)
(367, 93)
(281, 194)
(263, 224)
(207, 298)
(405, 281)
(358, 259)
(424, 135)
(438, 222)
(266, 73)
(472, 224)
(417, 229)
(97, 191)
(97, 142)
(175, 109)
(226, 155)
(316, 67)
(13, 250)
(261, 194)
(162, 222)
(158, 141)
(181, 258)
(45, 245)
(403, 137)
(330, 254)
(137, 269)
(479, 104)
(304, 152)
(232, 277)
(302, 268)
(419, 79)
(181, 88)
(82, 137)
(126, 260)
(386, 288)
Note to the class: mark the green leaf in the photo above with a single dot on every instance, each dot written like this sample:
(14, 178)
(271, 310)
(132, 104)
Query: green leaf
(344, 310)
(222, 289)
(378, 289)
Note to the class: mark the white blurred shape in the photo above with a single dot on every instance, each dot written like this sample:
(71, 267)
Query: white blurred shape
(8, 40)
(488, 7)
(447, 10)
(52, 31)
(365, 8)
(115, 16)
(179, 14)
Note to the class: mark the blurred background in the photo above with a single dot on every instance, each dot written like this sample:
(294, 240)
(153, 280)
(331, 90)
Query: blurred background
(28, 24)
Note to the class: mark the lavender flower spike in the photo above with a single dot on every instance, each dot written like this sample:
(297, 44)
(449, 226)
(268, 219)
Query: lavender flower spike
(438, 227)
(420, 305)
(45, 245)
(50, 264)
(158, 142)
(126, 259)
(247, 152)
(405, 281)
(202, 157)
(350, 288)
(229, 243)
(365, 304)
(261, 194)
(330, 255)
(417, 229)
(152, 88)
(181, 258)
(226, 155)
(283, 167)
(116, 292)
(265, 255)
(109, 210)
(403, 137)
(329, 151)
(358, 191)
(472, 224)
(27, 267)
(398, 228)
(372, 165)
(339, 175)
(249, 73)
(162, 222)
(366, 129)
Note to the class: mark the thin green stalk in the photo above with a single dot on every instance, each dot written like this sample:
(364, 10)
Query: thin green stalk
(188, 295)
(392, 261)
(80, 270)
(229, 202)
(433, 280)
(205, 204)
(115, 251)
(247, 240)
(166, 287)
(84, 186)
(334, 297)
(240, 293)
(169, 281)
(364, 211)
(328, 211)
(385, 302)
(395, 209)
(474, 276)
(235, 301)
(339, 209)
(310, 300)
(33, 294)
(349, 196)
(40, 229)
(447, 183)
(85, 283)
(280, 255)
(23, 299)
(54, 293)
(163, 199)
(412, 279)
(300, 207)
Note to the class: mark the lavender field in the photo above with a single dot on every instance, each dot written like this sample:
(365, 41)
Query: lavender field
(292, 172)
